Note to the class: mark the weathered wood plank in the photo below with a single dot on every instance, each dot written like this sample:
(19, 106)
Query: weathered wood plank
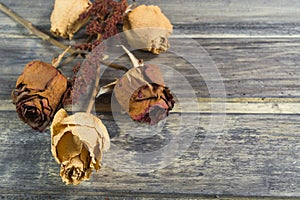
(247, 67)
(199, 11)
(211, 19)
(278, 106)
(255, 46)
(253, 156)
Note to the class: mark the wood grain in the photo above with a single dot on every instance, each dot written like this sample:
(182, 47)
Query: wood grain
(247, 18)
(254, 155)
(254, 46)
(248, 68)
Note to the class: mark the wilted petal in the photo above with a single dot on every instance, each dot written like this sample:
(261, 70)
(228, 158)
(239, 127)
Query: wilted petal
(38, 94)
(65, 15)
(144, 96)
(75, 171)
(56, 126)
(68, 146)
(146, 27)
(36, 75)
(80, 135)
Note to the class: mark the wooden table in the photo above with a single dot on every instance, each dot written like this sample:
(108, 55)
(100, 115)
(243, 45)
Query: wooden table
(253, 50)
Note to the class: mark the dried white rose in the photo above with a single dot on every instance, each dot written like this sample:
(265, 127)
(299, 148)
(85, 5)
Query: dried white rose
(78, 142)
(64, 17)
(146, 27)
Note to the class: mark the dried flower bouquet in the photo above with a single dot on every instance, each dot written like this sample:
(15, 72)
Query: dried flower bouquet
(42, 92)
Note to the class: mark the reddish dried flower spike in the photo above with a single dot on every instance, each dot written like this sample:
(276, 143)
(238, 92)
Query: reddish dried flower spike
(85, 74)
(105, 16)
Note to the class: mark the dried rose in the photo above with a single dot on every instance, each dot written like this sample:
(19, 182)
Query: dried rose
(78, 142)
(146, 27)
(38, 94)
(65, 17)
(141, 92)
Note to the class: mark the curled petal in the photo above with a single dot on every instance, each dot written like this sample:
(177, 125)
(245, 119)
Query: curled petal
(75, 171)
(144, 95)
(38, 94)
(146, 27)
(77, 143)
(65, 17)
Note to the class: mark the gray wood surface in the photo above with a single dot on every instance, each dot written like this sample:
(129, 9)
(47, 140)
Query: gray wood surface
(255, 46)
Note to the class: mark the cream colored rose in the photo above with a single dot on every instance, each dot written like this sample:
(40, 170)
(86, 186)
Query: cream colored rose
(64, 17)
(78, 142)
(146, 27)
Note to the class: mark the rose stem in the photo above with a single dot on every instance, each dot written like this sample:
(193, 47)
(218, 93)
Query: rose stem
(106, 88)
(135, 62)
(33, 30)
(94, 92)
(56, 61)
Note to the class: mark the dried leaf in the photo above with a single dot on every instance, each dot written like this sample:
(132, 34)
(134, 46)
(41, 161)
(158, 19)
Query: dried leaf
(135, 62)
(107, 88)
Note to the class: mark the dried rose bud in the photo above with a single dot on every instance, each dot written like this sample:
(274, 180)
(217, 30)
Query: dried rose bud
(65, 17)
(78, 142)
(38, 94)
(141, 92)
(146, 27)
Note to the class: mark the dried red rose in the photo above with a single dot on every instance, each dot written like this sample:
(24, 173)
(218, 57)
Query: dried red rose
(38, 94)
(141, 92)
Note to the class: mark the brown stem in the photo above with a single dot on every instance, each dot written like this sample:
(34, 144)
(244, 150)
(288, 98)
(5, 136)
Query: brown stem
(94, 92)
(113, 65)
(56, 61)
(135, 62)
(33, 30)
(107, 88)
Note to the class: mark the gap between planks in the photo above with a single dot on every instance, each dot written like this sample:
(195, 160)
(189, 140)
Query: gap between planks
(234, 36)
(217, 106)
(186, 36)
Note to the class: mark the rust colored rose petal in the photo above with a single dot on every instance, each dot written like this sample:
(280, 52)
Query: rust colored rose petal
(38, 94)
(155, 103)
(36, 75)
(141, 92)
